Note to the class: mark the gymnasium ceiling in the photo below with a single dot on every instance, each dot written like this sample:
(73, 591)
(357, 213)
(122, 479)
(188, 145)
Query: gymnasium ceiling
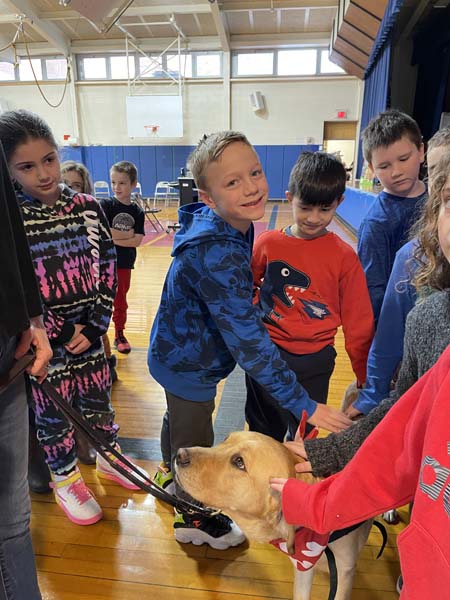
(66, 25)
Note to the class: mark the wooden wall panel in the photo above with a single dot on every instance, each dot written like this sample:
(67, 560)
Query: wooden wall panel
(354, 31)
(361, 40)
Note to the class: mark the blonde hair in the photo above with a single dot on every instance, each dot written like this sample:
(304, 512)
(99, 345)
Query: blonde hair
(71, 165)
(209, 149)
(434, 269)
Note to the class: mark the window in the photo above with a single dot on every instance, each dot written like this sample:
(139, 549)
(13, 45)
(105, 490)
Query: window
(208, 65)
(7, 72)
(297, 62)
(150, 67)
(114, 66)
(119, 67)
(94, 68)
(56, 68)
(186, 64)
(326, 66)
(26, 72)
(255, 63)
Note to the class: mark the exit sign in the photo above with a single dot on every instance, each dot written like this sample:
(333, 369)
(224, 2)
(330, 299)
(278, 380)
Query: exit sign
(341, 114)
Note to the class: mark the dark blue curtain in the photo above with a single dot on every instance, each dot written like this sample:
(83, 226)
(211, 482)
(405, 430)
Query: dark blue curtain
(376, 89)
(375, 93)
(432, 55)
(384, 33)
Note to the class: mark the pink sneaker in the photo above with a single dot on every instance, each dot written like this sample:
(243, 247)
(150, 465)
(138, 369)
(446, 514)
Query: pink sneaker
(121, 343)
(76, 499)
(106, 471)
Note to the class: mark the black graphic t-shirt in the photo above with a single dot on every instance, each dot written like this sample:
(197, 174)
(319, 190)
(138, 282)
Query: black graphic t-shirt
(124, 217)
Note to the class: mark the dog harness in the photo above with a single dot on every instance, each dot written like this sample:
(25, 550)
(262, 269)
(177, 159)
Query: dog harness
(309, 547)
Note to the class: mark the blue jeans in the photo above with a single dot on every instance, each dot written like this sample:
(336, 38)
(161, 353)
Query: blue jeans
(18, 580)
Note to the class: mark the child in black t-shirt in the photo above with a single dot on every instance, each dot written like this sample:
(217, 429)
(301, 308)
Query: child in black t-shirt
(126, 219)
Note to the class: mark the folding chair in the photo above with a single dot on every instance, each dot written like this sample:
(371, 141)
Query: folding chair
(164, 190)
(101, 189)
(149, 211)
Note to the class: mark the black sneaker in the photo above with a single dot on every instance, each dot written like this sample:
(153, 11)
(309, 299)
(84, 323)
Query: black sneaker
(220, 532)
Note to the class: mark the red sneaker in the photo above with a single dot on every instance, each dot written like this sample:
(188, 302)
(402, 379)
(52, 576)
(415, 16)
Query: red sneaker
(121, 343)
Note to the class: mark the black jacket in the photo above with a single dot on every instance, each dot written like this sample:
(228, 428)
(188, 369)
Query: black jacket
(19, 294)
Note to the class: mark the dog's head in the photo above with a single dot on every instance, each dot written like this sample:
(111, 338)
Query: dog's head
(234, 477)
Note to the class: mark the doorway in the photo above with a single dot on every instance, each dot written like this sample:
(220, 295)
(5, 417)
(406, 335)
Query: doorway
(339, 138)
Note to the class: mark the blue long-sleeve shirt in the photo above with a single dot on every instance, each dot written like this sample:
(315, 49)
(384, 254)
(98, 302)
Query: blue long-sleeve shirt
(207, 322)
(386, 351)
(382, 233)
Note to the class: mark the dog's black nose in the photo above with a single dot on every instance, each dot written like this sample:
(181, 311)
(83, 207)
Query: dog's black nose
(183, 458)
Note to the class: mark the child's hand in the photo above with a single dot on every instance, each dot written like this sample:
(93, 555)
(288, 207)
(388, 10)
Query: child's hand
(353, 412)
(298, 448)
(329, 418)
(79, 343)
(277, 484)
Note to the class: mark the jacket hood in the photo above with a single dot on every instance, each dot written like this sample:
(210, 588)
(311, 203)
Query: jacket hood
(199, 224)
(66, 193)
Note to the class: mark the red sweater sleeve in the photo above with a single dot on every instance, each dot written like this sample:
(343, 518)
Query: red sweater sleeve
(385, 471)
(356, 316)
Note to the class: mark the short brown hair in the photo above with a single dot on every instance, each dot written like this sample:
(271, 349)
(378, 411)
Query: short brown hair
(210, 149)
(387, 128)
(126, 167)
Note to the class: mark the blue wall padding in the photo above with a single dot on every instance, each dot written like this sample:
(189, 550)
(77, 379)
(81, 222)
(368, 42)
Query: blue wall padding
(163, 163)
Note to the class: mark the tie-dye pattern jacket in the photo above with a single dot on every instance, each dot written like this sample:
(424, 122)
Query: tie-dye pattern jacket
(207, 322)
(75, 263)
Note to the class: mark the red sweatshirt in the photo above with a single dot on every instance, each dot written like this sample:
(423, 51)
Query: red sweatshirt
(407, 457)
(306, 289)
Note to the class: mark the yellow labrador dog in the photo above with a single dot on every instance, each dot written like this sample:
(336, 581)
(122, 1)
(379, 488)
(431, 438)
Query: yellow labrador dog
(234, 477)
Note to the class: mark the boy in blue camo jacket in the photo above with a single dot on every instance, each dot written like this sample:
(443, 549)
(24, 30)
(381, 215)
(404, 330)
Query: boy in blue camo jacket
(207, 322)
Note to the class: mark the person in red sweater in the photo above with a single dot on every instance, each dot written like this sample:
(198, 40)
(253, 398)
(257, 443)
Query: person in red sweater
(308, 282)
(406, 458)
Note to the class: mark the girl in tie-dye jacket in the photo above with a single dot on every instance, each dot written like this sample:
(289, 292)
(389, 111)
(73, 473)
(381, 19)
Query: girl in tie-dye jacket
(74, 261)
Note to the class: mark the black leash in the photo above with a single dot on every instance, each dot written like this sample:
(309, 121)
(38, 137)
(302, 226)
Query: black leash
(333, 573)
(336, 535)
(382, 529)
(103, 447)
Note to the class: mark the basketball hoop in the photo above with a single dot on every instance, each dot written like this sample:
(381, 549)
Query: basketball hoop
(151, 130)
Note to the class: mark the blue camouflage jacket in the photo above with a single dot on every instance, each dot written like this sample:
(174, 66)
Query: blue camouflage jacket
(207, 322)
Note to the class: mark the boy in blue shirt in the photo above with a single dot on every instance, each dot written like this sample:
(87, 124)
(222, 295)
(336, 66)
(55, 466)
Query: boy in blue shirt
(386, 351)
(393, 148)
(207, 322)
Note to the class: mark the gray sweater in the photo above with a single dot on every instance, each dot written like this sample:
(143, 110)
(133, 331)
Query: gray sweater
(427, 335)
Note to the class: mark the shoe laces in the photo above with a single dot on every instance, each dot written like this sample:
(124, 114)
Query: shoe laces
(80, 492)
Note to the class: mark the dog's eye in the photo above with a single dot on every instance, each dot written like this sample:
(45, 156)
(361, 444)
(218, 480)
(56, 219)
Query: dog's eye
(238, 462)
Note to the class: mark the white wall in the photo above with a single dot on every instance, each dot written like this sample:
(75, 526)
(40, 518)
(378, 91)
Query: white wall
(295, 111)
(24, 95)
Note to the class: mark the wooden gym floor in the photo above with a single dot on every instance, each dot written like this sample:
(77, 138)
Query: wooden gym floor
(131, 554)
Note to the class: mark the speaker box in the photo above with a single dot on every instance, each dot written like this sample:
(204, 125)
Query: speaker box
(186, 185)
(257, 101)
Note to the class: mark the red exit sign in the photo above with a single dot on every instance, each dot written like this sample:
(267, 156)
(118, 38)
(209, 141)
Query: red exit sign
(341, 114)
